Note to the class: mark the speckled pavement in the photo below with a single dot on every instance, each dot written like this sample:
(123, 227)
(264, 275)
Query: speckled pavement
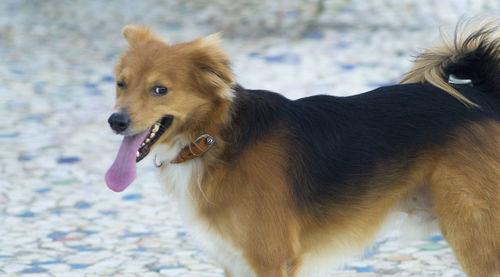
(58, 218)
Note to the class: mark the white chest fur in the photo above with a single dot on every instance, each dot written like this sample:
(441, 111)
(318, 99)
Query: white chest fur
(177, 180)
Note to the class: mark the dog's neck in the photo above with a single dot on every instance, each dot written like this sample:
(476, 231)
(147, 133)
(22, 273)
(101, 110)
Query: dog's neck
(207, 128)
(225, 128)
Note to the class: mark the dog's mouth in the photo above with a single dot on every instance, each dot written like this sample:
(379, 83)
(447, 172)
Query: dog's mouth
(133, 149)
(154, 134)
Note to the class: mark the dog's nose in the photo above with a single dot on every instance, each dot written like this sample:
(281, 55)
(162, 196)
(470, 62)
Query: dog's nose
(119, 122)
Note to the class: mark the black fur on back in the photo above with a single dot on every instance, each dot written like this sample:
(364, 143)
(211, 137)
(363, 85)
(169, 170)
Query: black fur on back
(337, 142)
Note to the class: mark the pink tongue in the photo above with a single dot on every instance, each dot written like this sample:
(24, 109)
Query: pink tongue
(122, 172)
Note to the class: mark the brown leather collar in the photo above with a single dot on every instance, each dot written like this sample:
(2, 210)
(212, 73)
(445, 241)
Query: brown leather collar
(194, 149)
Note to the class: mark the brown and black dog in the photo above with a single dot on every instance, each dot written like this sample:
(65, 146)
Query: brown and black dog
(271, 186)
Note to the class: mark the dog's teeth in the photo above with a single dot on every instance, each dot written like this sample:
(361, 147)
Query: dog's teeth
(156, 127)
(137, 154)
(152, 135)
(143, 144)
(147, 140)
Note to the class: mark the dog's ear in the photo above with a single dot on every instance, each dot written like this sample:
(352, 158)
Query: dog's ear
(213, 64)
(138, 35)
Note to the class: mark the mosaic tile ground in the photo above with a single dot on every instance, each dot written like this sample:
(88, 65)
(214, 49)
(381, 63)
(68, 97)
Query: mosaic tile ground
(57, 218)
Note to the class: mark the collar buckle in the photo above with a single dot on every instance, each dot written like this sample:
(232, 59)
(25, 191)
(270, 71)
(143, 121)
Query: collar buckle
(195, 149)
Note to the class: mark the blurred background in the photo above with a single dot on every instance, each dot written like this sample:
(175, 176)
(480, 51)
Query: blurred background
(57, 217)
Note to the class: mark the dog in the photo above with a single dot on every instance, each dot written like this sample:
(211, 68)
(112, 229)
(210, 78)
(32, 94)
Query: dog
(271, 186)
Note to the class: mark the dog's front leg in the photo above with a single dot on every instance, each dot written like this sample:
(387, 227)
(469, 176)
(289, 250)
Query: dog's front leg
(271, 272)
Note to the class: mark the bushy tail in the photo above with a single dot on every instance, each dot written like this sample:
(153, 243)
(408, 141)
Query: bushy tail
(473, 53)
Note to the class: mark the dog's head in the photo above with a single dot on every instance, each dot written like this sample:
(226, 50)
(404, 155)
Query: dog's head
(164, 90)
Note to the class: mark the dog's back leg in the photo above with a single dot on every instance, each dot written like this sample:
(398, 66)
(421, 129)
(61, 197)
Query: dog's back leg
(466, 196)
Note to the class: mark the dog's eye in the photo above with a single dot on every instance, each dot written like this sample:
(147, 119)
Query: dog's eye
(120, 84)
(159, 90)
